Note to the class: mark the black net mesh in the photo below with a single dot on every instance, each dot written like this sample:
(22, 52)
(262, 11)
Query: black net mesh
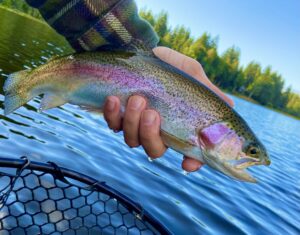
(44, 199)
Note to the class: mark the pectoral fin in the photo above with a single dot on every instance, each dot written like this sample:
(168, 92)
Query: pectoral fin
(172, 141)
(51, 101)
(183, 146)
(92, 109)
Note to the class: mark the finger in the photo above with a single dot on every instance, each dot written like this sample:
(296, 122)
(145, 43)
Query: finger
(191, 66)
(149, 134)
(190, 164)
(112, 114)
(178, 60)
(135, 106)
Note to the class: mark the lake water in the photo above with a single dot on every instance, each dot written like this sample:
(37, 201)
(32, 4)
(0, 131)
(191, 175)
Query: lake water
(204, 202)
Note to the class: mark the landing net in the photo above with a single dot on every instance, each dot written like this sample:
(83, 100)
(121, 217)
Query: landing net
(39, 198)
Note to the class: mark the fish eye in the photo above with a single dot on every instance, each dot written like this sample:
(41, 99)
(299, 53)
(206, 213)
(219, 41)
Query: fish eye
(253, 151)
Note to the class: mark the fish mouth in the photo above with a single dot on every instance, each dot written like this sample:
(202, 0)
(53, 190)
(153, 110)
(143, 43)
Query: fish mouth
(244, 163)
(235, 169)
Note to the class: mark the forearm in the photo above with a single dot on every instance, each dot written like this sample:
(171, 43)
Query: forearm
(88, 25)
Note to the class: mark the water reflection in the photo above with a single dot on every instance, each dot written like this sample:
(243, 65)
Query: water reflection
(20, 46)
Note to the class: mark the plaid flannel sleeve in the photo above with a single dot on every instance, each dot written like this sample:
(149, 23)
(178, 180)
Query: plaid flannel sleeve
(90, 24)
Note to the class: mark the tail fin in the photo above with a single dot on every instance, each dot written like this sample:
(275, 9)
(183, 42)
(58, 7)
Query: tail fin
(14, 97)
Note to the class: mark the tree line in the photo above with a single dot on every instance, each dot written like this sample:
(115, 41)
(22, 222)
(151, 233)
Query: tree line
(262, 85)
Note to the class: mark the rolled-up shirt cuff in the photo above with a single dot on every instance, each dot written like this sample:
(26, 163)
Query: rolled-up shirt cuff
(91, 24)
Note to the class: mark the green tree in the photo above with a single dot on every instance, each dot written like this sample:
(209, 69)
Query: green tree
(250, 73)
(285, 99)
(161, 24)
(179, 39)
(293, 105)
(231, 77)
(204, 49)
(148, 15)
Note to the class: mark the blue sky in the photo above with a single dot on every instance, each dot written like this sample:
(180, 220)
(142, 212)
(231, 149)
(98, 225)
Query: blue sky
(267, 31)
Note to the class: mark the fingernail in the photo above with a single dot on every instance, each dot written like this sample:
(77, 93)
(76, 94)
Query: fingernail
(111, 104)
(149, 117)
(136, 102)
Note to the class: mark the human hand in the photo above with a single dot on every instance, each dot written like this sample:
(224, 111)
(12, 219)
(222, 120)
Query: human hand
(141, 125)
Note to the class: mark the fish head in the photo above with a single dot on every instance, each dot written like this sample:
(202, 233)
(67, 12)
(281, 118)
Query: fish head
(231, 152)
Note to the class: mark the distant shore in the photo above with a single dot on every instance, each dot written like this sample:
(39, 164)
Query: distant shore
(265, 106)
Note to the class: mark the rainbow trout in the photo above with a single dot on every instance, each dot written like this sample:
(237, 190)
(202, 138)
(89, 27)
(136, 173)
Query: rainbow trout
(194, 120)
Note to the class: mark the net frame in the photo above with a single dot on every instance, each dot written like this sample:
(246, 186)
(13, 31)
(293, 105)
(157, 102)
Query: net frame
(23, 167)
